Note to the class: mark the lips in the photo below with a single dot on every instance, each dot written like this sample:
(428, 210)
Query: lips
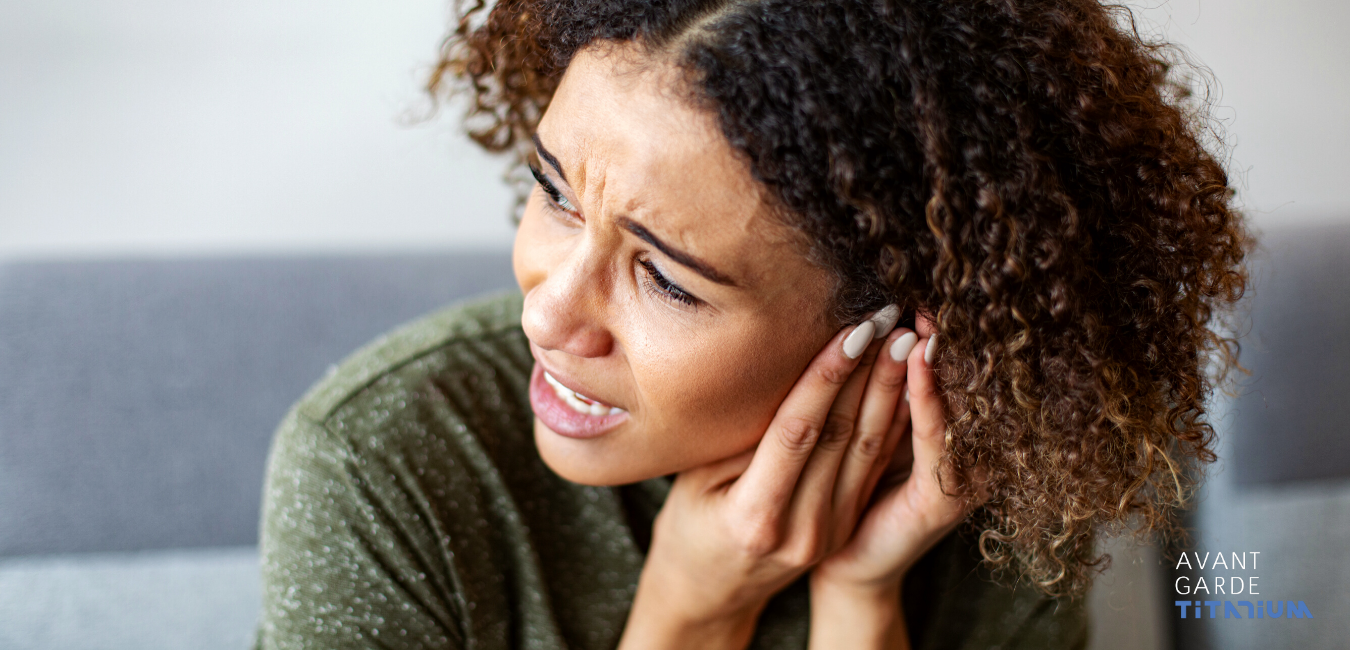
(567, 412)
(579, 403)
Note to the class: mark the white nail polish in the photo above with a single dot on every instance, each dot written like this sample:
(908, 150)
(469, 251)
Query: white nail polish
(858, 339)
(885, 320)
(902, 346)
(931, 350)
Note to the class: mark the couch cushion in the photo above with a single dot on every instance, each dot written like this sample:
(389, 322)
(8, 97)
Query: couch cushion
(205, 599)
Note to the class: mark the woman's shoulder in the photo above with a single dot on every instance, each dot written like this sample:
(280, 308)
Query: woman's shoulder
(446, 394)
(474, 335)
(391, 487)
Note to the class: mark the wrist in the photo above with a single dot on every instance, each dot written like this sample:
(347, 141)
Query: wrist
(651, 626)
(874, 593)
(663, 617)
(845, 615)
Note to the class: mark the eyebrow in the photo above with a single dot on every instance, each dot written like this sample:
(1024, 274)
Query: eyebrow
(685, 259)
(698, 266)
(548, 157)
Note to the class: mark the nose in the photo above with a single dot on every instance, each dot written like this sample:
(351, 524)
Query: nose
(565, 311)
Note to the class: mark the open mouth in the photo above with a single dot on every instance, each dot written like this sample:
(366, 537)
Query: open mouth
(564, 412)
(578, 402)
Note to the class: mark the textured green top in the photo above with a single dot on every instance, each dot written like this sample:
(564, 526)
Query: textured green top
(407, 507)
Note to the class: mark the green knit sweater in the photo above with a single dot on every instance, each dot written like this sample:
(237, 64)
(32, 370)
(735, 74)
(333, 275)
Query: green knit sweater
(407, 507)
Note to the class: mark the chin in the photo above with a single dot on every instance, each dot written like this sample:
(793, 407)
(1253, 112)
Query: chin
(600, 462)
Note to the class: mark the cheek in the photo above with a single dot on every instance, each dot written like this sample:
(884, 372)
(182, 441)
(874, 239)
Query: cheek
(716, 396)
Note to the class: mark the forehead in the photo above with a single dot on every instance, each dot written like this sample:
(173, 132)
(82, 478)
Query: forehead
(632, 146)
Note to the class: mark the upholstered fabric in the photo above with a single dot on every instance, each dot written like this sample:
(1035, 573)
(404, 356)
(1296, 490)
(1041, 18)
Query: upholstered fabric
(137, 398)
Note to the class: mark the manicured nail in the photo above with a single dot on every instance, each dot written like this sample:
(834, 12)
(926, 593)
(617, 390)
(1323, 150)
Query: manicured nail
(885, 320)
(858, 339)
(901, 347)
(931, 350)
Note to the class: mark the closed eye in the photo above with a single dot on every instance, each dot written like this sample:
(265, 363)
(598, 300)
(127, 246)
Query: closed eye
(662, 287)
(554, 196)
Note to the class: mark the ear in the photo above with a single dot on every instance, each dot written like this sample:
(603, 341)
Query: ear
(922, 326)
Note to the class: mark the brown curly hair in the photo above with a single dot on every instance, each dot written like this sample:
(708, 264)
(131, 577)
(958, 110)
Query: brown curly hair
(1030, 174)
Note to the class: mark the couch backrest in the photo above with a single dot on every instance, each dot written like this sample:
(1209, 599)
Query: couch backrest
(138, 398)
(1292, 415)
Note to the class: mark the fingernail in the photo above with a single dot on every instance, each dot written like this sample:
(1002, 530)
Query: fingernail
(931, 350)
(902, 346)
(858, 339)
(885, 320)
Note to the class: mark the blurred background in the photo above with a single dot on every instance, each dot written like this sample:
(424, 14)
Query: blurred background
(205, 205)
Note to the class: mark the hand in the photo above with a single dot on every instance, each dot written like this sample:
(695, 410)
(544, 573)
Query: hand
(909, 514)
(735, 532)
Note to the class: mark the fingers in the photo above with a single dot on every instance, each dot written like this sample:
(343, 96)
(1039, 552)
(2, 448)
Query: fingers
(817, 488)
(797, 426)
(929, 430)
(815, 473)
(811, 505)
(926, 410)
(934, 414)
(878, 428)
(895, 462)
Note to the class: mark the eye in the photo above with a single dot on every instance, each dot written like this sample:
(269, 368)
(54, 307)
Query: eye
(559, 201)
(663, 288)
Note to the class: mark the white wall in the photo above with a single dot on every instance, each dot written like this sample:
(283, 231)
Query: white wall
(1284, 79)
(158, 127)
(179, 127)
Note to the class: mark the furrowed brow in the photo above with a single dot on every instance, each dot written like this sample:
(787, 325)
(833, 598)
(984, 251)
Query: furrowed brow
(698, 266)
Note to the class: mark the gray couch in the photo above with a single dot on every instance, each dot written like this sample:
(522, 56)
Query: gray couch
(137, 399)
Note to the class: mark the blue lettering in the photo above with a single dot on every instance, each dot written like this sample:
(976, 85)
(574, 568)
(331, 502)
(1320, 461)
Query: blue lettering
(1275, 608)
(1212, 604)
(1298, 610)
(1183, 604)
(1249, 607)
(1229, 611)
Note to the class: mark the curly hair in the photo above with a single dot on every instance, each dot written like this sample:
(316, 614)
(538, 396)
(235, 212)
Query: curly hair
(1029, 174)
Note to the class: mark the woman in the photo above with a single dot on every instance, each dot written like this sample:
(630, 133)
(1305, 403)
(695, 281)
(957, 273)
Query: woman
(735, 202)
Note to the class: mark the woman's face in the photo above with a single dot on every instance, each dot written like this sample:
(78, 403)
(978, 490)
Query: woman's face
(669, 309)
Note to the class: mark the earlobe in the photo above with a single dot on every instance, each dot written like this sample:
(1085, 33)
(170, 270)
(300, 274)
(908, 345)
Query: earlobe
(923, 326)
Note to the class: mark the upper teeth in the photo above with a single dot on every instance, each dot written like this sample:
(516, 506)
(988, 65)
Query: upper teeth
(580, 403)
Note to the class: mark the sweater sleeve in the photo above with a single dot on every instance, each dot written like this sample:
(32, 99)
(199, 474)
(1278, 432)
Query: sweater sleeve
(341, 567)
